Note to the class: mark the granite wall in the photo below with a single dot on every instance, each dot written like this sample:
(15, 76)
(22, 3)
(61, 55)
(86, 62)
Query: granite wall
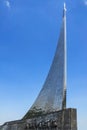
(61, 120)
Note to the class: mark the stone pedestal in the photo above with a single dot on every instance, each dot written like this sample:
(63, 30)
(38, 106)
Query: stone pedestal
(61, 120)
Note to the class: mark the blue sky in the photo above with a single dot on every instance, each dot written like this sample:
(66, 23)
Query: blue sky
(29, 32)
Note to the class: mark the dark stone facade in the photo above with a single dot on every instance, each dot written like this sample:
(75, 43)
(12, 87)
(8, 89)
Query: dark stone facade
(61, 120)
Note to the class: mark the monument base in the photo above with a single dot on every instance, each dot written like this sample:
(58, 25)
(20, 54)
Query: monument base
(60, 120)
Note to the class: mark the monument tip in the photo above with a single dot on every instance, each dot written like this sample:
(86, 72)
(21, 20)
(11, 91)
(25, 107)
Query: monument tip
(64, 10)
(64, 6)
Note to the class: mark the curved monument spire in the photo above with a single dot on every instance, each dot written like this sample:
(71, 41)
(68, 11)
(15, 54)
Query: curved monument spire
(52, 96)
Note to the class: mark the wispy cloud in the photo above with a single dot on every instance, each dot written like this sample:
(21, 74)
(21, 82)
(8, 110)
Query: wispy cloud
(85, 2)
(7, 3)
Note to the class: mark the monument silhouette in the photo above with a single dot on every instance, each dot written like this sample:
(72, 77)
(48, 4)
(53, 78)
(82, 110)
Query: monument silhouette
(49, 111)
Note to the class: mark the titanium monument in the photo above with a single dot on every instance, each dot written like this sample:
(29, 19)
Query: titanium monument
(52, 96)
(49, 111)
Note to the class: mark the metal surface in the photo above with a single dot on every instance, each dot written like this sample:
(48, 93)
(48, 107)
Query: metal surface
(52, 97)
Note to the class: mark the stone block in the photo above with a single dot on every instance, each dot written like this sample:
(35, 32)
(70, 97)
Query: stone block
(60, 120)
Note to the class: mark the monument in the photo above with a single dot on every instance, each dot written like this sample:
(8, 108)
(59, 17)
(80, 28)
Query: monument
(49, 111)
(52, 96)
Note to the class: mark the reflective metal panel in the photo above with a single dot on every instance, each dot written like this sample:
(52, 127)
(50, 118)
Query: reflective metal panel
(52, 97)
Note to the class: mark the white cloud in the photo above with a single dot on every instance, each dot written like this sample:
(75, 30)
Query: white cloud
(7, 3)
(85, 2)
